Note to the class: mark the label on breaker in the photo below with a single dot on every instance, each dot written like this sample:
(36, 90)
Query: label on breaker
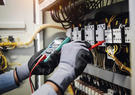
(108, 36)
(100, 32)
(89, 34)
(117, 36)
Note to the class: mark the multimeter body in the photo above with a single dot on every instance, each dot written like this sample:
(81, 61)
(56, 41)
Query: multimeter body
(56, 45)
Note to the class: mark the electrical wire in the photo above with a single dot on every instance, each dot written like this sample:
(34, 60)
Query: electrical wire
(111, 19)
(14, 63)
(4, 61)
(111, 53)
(44, 26)
(41, 59)
(20, 44)
(71, 90)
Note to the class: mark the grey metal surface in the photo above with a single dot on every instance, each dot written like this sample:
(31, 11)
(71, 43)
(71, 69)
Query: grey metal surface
(118, 79)
(132, 26)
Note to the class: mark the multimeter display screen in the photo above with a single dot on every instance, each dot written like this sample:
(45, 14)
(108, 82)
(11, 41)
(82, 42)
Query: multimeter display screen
(58, 41)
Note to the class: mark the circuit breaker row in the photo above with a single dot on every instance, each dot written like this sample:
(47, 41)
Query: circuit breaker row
(92, 34)
(85, 89)
(90, 85)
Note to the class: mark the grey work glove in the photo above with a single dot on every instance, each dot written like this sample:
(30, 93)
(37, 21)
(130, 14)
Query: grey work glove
(43, 68)
(73, 60)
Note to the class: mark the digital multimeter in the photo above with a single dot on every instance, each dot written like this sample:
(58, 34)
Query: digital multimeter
(56, 45)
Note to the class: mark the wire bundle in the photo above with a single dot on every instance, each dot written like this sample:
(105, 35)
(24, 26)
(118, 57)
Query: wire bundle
(111, 52)
(71, 12)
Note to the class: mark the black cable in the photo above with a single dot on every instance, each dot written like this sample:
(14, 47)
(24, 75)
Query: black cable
(71, 13)
(56, 18)
(32, 84)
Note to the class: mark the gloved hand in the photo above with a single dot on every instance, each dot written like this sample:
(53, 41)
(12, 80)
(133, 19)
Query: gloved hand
(74, 58)
(43, 68)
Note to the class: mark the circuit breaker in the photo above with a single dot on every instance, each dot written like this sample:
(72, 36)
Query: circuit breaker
(90, 34)
(100, 32)
(109, 36)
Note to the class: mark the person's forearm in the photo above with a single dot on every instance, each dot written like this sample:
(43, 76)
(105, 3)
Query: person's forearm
(7, 81)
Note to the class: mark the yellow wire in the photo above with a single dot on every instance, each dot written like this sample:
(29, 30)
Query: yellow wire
(4, 61)
(13, 64)
(14, 44)
(44, 26)
(126, 20)
(70, 90)
(111, 19)
(116, 60)
(8, 44)
(1, 57)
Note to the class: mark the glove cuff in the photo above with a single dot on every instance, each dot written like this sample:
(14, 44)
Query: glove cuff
(62, 78)
(22, 72)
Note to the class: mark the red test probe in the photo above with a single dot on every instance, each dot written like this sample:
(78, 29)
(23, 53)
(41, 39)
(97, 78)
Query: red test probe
(97, 44)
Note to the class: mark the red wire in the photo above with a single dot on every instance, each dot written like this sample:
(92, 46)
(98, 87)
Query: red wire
(97, 44)
(41, 59)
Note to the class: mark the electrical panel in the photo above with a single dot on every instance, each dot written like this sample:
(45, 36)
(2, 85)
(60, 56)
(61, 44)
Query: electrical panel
(94, 21)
